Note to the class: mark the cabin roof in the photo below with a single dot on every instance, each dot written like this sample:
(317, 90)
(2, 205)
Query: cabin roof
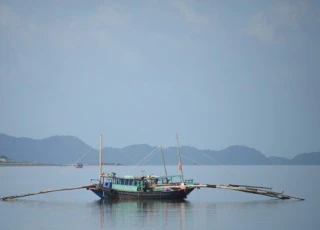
(150, 177)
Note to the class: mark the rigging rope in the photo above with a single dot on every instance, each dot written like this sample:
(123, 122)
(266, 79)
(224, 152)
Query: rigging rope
(83, 156)
(124, 155)
(219, 163)
(188, 158)
(146, 158)
(204, 154)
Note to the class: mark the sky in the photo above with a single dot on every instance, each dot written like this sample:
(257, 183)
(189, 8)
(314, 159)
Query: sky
(218, 73)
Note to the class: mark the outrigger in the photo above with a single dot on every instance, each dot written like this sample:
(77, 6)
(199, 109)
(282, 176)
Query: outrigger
(110, 186)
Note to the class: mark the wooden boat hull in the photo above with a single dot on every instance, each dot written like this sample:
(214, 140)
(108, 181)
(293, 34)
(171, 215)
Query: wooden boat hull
(106, 193)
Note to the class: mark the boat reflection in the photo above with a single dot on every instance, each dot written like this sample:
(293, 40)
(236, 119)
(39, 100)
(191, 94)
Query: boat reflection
(142, 214)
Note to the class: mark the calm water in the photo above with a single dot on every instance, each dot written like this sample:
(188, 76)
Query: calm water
(204, 208)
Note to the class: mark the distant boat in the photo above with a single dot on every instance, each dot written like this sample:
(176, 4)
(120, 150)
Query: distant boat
(79, 165)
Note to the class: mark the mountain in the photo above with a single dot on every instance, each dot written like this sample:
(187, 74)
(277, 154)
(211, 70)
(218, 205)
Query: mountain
(53, 150)
(239, 155)
(70, 150)
(307, 159)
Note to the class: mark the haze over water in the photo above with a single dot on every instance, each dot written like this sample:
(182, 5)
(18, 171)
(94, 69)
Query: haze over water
(219, 73)
(204, 208)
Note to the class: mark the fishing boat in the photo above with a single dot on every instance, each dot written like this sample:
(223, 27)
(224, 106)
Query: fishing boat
(110, 186)
(149, 187)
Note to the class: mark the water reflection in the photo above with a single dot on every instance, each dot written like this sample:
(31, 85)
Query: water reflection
(142, 214)
(103, 214)
(178, 215)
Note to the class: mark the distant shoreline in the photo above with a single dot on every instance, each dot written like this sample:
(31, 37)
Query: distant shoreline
(27, 164)
(68, 150)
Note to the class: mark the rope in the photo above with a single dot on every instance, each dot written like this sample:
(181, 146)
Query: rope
(83, 155)
(219, 163)
(188, 158)
(124, 155)
(149, 156)
(146, 158)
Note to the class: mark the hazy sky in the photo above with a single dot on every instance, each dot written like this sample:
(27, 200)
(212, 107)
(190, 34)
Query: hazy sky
(219, 73)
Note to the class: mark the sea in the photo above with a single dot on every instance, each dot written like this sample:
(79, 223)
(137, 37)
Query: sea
(205, 208)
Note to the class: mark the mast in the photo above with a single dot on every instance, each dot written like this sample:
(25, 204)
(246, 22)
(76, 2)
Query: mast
(100, 162)
(164, 163)
(180, 164)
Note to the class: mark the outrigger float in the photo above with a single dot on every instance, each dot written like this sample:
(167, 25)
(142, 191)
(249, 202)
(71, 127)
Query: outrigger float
(110, 186)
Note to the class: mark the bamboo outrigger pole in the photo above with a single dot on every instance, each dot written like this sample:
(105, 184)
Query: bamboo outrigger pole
(45, 191)
(265, 191)
(62, 189)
